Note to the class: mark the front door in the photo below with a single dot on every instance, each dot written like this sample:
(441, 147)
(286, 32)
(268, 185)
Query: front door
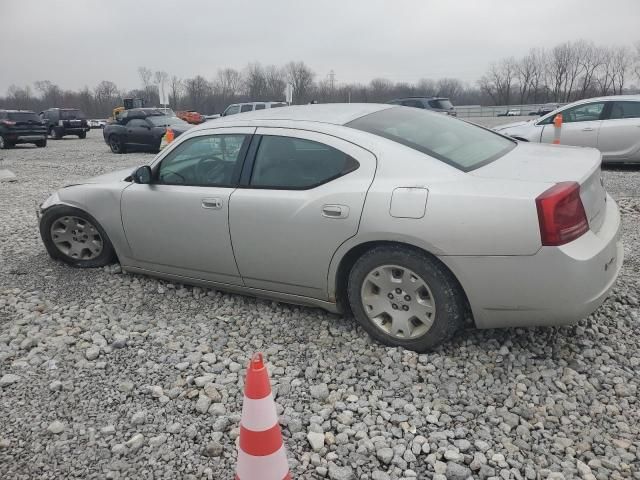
(302, 200)
(137, 131)
(179, 223)
(580, 125)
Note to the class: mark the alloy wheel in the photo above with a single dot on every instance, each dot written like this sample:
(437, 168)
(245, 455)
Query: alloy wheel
(76, 237)
(398, 301)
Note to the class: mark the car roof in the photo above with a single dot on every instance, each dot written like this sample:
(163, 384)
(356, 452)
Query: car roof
(16, 111)
(633, 98)
(421, 96)
(334, 113)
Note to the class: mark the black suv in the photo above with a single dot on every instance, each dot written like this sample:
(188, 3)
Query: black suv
(65, 121)
(21, 126)
(437, 104)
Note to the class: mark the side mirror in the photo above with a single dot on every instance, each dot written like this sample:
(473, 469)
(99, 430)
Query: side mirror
(142, 175)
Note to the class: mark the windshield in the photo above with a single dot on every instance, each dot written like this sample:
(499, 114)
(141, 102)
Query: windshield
(443, 104)
(24, 117)
(163, 121)
(71, 114)
(455, 142)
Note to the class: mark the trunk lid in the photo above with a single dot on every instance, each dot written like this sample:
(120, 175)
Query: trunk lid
(550, 164)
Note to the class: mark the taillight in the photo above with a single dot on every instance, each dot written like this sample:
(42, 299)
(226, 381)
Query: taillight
(561, 214)
(8, 123)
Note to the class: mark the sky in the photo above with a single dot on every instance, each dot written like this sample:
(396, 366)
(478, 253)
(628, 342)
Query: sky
(77, 43)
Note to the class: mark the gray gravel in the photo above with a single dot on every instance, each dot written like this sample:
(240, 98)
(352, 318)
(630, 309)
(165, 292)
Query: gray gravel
(110, 375)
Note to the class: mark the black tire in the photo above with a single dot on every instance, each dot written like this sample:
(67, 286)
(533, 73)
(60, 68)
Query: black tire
(116, 144)
(82, 135)
(450, 301)
(106, 256)
(5, 144)
(55, 133)
(41, 143)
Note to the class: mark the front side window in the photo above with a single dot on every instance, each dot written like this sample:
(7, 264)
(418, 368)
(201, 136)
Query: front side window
(447, 139)
(260, 106)
(296, 164)
(232, 110)
(246, 108)
(580, 113)
(210, 161)
(166, 121)
(443, 104)
(620, 110)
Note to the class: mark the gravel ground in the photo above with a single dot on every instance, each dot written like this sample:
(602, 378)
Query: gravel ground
(110, 375)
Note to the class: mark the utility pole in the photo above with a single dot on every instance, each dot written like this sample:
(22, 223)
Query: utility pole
(332, 79)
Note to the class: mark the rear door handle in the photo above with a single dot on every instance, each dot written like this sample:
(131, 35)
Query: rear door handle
(212, 203)
(587, 129)
(335, 211)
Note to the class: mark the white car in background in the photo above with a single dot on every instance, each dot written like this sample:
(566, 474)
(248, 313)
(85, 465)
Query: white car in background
(610, 124)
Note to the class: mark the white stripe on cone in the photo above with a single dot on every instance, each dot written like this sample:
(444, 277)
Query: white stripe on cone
(259, 415)
(269, 467)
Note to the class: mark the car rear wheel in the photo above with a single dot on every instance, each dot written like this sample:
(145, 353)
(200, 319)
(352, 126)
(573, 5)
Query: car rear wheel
(55, 134)
(41, 143)
(82, 135)
(405, 298)
(75, 237)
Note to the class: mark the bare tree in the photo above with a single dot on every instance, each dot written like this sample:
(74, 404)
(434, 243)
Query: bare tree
(255, 82)
(380, 90)
(176, 87)
(301, 78)
(426, 87)
(497, 83)
(275, 80)
(51, 93)
(197, 89)
(449, 87)
(622, 61)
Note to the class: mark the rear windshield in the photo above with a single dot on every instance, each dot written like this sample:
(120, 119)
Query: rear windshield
(163, 120)
(443, 104)
(24, 117)
(71, 114)
(452, 141)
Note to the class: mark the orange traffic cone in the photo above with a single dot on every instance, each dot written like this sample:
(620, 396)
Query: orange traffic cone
(261, 452)
(557, 127)
(169, 135)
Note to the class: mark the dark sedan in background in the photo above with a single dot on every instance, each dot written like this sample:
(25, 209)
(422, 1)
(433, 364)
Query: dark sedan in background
(141, 129)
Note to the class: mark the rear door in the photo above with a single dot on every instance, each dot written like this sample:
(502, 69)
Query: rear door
(580, 125)
(301, 197)
(619, 138)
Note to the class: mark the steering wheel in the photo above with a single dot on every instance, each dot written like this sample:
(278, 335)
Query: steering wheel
(210, 170)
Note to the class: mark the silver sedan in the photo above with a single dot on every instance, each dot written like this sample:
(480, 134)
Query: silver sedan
(415, 222)
(610, 124)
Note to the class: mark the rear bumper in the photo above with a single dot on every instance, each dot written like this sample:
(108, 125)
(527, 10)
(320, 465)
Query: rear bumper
(556, 286)
(25, 137)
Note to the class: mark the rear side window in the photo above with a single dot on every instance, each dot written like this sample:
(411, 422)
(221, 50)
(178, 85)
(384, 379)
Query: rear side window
(413, 103)
(246, 108)
(451, 141)
(276, 105)
(23, 117)
(286, 163)
(621, 110)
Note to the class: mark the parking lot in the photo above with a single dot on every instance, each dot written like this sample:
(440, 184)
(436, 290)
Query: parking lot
(112, 375)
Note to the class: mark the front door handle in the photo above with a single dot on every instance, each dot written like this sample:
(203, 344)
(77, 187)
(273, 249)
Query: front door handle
(335, 211)
(212, 203)
(587, 129)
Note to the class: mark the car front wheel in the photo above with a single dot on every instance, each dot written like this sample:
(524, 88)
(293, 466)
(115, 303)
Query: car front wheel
(75, 237)
(116, 144)
(404, 297)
